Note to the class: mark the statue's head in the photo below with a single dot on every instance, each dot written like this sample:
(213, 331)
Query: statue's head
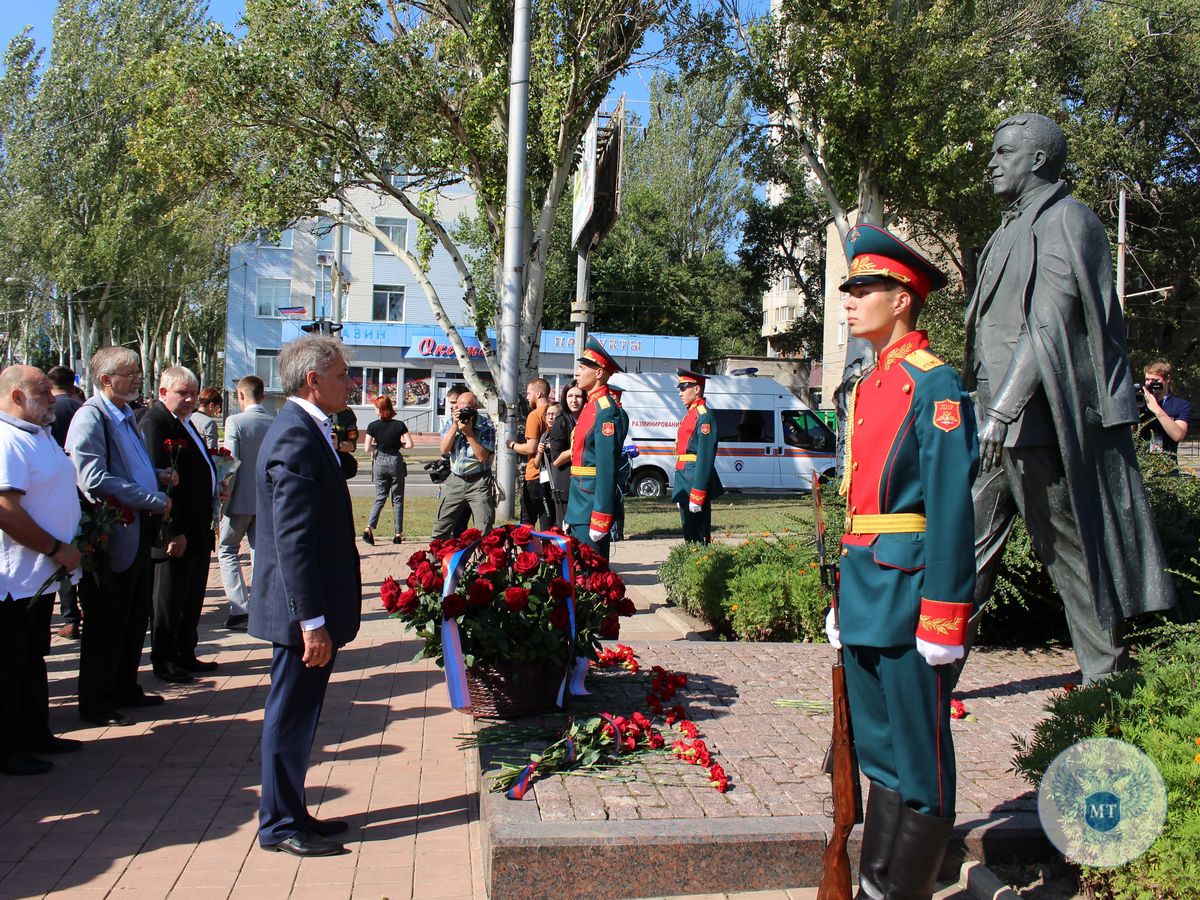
(1028, 151)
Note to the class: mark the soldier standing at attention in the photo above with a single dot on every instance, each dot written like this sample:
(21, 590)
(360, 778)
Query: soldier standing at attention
(595, 453)
(696, 481)
(907, 566)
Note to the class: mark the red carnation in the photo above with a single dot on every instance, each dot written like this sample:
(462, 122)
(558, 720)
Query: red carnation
(559, 617)
(516, 598)
(560, 588)
(610, 628)
(389, 593)
(521, 535)
(453, 606)
(480, 592)
(525, 563)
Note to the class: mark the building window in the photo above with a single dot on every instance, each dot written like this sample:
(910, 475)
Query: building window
(842, 332)
(387, 303)
(417, 387)
(324, 231)
(266, 367)
(271, 296)
(789, 282)
(283, 243)
(396, 229)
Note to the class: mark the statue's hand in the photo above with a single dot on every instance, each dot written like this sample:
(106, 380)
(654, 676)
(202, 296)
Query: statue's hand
(991, 442)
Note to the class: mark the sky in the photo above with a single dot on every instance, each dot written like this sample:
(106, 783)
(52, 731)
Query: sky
(40, 14)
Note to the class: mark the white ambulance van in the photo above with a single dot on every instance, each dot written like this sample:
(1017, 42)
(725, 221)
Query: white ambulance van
(768, 439)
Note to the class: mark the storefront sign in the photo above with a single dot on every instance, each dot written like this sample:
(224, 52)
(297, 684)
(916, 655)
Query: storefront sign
(428, 346)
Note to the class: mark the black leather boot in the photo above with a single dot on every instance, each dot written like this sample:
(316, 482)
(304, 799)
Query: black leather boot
(880, 824)
(917, 855)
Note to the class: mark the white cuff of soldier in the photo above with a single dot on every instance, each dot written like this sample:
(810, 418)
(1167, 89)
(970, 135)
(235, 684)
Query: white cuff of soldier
(934, 654)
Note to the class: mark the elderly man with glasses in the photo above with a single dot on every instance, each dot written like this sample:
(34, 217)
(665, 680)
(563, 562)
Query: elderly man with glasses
(111, 462)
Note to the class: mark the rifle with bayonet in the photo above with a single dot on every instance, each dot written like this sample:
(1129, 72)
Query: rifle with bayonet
(840, 760)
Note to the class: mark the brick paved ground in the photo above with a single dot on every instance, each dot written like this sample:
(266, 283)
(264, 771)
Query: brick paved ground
(167, 807)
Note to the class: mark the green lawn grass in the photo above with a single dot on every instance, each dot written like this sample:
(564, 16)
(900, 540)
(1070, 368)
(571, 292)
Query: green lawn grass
(732, 514)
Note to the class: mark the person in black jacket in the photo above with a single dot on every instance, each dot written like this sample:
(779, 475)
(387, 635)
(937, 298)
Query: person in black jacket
(182, 554)
(559, 448)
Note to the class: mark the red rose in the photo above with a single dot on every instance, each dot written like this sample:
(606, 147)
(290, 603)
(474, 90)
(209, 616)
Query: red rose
(591, 559)
(526, 562)
(487, 567)
(417, 558)
(453, 606)
(521, 535)
(553, 554)
(480, 592)
(560, 588)
(389, 593)
(516, 598)
(439, 548)
(626, 607)
(498, 558)
(610, 628)
(559, 617)
(493, 539)
(423, 568)
(412, 580)
(431, 582)
(408, 603)
(470, 536)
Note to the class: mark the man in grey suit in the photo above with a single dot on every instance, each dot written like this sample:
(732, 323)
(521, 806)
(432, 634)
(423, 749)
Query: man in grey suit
(244, 433)
(112, 462)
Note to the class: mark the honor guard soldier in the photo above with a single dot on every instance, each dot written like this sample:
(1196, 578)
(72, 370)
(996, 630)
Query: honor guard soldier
(696, 481)
(595, 452)
(907, 565)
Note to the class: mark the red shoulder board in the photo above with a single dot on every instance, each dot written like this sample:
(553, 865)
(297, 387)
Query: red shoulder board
(947, 415)
(608, 429)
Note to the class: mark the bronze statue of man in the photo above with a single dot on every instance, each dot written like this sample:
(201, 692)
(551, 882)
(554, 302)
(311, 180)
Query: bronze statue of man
(1046, 351)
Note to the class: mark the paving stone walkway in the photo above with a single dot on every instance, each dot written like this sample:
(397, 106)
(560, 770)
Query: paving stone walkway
(166, 808)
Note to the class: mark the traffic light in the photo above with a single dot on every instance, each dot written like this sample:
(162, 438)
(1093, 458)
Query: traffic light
(321, 326)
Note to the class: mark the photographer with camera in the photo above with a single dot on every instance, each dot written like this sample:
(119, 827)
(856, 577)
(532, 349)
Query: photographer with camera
(469, 437)
(1164, 418)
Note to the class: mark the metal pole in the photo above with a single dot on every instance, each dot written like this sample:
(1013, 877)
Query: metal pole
(514, 268)
(336, 270)
(1121, 250)
(582, 313)
(71, 335)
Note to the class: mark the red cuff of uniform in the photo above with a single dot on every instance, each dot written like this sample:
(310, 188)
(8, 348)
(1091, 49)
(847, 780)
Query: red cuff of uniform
(943, 623)
(600, 522)
(698, 497)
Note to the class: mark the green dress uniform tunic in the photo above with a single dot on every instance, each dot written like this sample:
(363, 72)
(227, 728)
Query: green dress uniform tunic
(907, 567)
(696, 478)
(595, 456)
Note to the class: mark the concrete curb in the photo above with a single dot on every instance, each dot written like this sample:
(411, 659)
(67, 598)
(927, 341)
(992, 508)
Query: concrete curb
(981, 883)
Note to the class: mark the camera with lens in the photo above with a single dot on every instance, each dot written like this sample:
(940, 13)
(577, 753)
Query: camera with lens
(439, 469)
(1154, 387)
(467, 416)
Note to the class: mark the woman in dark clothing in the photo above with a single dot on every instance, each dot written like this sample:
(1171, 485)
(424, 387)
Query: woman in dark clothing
(385, 438)
(559, 449)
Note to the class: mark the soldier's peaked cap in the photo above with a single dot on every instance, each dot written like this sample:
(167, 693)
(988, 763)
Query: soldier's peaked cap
(687, 377)
(878, 255)
(594, 354)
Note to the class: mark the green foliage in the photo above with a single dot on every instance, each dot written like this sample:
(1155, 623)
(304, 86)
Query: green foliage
(764, 589)
(1157, 709)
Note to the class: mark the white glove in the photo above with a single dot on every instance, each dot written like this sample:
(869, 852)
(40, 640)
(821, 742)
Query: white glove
(832, 631)
(597, 536)
(939, 654)
(694, 507)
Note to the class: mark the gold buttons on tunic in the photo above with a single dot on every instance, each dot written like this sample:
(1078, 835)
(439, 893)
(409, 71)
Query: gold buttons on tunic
(906, 388)
(860, 421)
(845, 552)
(855, 466)
(878, 382)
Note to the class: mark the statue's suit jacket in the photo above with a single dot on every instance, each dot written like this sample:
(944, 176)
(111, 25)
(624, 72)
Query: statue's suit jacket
(1077, 332)
(306, 564)
(244, 433)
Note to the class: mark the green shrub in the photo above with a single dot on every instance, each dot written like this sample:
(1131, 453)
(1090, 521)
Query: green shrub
(1157, 709)
(772, 603)
(696, 577)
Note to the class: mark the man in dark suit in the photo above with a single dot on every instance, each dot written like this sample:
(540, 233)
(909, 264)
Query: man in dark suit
(181, 558)
(307, 592)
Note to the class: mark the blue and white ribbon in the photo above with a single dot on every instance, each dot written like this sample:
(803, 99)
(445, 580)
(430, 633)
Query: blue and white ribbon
(453, 565)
